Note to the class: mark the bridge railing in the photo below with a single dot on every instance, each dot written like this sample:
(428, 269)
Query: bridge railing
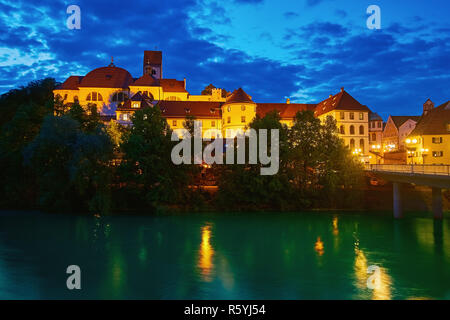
(434, 169)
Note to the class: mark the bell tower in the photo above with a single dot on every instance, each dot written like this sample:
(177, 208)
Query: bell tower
(153, 64)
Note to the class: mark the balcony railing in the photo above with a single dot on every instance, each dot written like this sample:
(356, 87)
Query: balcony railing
(433, 169)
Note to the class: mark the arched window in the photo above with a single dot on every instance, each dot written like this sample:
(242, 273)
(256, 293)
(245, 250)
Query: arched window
(352, 144)
(361, 145)
(243, 108)
(342, 130)
(94, 96)
(352, 129)
(361, 129)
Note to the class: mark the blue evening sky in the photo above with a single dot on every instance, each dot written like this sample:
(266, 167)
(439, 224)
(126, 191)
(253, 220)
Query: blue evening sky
(274, 49)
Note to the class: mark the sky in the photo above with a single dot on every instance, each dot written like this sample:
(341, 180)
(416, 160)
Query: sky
(304, 50)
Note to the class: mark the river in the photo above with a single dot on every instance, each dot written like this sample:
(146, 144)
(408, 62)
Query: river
(321, 255)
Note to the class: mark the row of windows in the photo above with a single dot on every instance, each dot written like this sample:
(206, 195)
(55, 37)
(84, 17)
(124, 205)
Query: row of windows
(376, 124)
(243, 108)
(436, 139)
(175, 123)
(351, 115)
(352, 129)
(242, 119)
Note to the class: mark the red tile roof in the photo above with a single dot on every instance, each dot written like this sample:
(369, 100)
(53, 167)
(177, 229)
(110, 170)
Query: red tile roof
(146, 80)
(399, 120)
(172, 85)
(107, 77)
(340, 101)
(239, 95)
(287, 111)
(152, 57)
(199, 109)
(71, 83)
(436, 121)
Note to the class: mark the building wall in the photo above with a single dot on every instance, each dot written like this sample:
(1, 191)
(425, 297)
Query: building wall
(355, 139)
(390, 137)
(236, 116)
(403, 132)
(428, 149)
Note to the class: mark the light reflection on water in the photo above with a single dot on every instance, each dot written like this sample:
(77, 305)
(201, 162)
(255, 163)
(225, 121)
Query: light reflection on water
(247, 256)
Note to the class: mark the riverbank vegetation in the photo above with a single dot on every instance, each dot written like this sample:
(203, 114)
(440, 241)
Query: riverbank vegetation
(57, 157)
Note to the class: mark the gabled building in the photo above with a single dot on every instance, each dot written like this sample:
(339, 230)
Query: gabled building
(429, 142)
(395, 132)
(352, 120)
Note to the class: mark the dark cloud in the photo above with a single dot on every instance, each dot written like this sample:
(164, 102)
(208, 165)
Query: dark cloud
(392, 70)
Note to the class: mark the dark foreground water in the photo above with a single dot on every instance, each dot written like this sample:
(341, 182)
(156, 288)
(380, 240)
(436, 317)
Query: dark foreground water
(266, 256)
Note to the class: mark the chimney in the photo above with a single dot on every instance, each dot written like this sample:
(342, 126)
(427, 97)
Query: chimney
(342, 89)
(427, 106)
(288, 101)
(184, 80)
(330, 96)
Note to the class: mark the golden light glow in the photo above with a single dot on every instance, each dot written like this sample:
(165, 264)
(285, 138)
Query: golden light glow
(383, 290)
(335, 226)
(319, 246)
(206, 253)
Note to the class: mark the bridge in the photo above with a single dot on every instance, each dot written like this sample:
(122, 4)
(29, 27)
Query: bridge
(437, 177)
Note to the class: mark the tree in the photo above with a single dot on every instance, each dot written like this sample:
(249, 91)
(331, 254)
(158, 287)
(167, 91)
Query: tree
(21, 114)
(242, 187)
(70, 158)
(152, 180)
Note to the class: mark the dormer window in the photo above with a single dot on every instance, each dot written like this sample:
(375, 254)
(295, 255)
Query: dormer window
(187, 110)
(135, 105)
(212, 110)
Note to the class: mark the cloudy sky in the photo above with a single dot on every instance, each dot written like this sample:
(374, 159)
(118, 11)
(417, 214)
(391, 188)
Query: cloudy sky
(274, 49)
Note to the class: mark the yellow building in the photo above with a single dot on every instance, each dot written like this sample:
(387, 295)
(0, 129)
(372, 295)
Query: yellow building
(118, 95)
(429, 142)
(352, 120)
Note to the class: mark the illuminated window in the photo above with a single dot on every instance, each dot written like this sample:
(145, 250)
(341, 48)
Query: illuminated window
(342, 115)
(229, 108)
(243, 108)
(213, 123)
(125, 116)
(229, 120)
(135, 105)
(243, 119)
(174, 123)
(438, 154)
(352, 116)
(361, 116)
(436, 139)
